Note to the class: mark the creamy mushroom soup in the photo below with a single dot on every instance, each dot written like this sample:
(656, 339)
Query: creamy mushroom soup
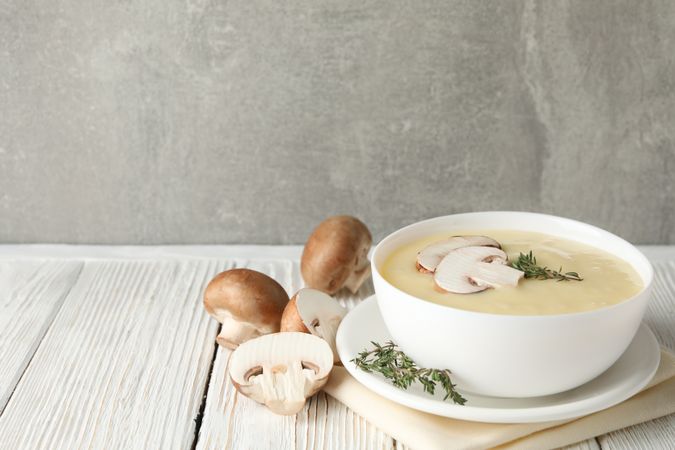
(607, 279)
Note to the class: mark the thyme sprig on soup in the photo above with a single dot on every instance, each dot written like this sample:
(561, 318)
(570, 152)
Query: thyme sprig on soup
(510, 272)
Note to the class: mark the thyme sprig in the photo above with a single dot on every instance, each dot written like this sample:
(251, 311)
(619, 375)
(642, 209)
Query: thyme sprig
(396, 366)
(527, 263)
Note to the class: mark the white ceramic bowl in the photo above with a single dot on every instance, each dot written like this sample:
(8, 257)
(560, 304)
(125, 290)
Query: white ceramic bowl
(509, 355)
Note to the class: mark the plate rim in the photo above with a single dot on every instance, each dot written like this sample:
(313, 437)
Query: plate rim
(604, 400)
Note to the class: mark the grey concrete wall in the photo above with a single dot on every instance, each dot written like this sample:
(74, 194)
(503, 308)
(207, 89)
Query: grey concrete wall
(199, 121)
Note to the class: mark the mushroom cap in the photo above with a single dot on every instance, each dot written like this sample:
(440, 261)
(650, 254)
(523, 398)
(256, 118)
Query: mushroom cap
(315, 312)
(337, 248)
(247, 296)
(473, 269)
(431, 255)
(281, 370)
(290, 319)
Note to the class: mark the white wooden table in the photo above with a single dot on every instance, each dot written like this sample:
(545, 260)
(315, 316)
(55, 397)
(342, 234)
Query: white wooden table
(110, 348)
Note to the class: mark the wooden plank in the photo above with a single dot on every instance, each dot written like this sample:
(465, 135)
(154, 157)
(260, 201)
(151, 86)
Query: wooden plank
(660, 317)
(31, 293)
(653, 435)
(123, 365)
(662, 438)
(590, 444)
(233, 421)
(328, 424)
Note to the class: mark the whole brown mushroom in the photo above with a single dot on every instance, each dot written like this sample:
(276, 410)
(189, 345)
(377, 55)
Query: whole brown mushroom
(336, 255)
(247, 304)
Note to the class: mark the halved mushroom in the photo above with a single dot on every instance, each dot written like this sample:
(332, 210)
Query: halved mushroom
(429, 257)
(315, 312)
(336, 255)
(474, 269)
(247, 304)
(281, 370)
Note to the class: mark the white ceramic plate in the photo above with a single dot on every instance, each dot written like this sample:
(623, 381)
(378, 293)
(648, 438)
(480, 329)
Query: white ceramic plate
(626, 377)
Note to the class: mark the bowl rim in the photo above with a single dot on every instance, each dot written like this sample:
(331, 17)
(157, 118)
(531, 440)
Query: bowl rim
(647, 282)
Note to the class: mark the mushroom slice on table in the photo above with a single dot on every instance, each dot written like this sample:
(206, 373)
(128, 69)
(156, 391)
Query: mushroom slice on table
(281, 370)
(474, 269)
(247, 304)
(336, 255)
(429, 257)
(315, 312)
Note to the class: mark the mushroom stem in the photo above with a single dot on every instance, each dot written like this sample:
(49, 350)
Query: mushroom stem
(233, 332)
(327, 330)
(356, 278)
(284, 389)
(496, 274)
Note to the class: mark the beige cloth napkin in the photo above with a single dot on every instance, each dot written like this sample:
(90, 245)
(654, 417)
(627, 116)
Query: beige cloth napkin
(425, 431)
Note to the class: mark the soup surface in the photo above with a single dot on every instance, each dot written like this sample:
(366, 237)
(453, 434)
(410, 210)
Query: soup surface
(607, 279)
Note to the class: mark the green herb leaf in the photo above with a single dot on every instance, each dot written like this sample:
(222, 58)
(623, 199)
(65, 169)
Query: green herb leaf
(527, 263)
(396, 366)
